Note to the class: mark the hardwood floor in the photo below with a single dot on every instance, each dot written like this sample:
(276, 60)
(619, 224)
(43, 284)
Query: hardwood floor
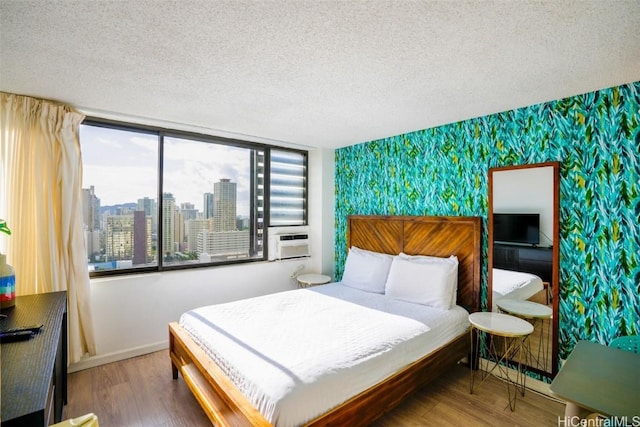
(141, 392)
(134, 392)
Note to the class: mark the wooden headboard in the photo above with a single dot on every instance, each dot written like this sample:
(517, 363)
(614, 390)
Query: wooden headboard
(440, 236)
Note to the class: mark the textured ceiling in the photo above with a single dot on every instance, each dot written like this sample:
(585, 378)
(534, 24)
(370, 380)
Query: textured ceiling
(313, 73)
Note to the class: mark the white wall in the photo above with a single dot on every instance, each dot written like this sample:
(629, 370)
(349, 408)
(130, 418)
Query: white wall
(327, 212)
(528, 190)
(131, 313)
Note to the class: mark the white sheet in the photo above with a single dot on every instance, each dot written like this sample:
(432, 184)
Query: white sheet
(514, 285)
(297, 354)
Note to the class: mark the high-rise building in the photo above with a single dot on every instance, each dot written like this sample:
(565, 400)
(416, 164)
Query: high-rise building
(208, 205)
(186, 213)
(92, 241)
(168, 224)
(188, 210)
(242, 223)
(150, 208)
(141, 238)
(90, 209)
(224, 195)
(179, 235)
(91, 220)
(193, 228)
(119, 237)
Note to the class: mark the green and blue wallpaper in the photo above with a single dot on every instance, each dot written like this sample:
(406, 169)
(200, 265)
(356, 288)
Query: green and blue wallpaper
(444, 171)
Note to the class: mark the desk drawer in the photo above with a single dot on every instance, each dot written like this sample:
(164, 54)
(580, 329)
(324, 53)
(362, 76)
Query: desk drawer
(535, 254)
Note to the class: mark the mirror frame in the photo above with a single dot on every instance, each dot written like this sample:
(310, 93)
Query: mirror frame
(555, 272)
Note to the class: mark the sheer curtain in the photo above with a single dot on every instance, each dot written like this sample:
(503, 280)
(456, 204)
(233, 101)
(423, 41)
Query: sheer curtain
(41, 200)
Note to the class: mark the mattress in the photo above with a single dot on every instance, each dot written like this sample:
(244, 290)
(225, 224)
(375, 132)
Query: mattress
(514, 285)
(297, 354)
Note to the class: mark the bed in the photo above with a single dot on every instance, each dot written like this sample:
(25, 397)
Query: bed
(513, 285)
(222, 400)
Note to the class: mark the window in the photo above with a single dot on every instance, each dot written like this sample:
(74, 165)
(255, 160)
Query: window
(120, 186)
(207, 195)
(157, 199)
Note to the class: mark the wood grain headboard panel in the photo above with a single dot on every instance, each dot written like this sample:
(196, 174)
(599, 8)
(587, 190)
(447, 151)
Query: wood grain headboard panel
(440, 236)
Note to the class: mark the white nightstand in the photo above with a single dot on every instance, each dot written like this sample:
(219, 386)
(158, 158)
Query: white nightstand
(514, 332)
(306, 280)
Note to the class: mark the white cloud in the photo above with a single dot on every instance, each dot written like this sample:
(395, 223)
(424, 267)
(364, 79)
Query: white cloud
(121, 184)
(191, 168)
(123, 167)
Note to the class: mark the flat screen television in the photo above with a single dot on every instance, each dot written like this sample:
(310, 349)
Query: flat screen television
(523, 228)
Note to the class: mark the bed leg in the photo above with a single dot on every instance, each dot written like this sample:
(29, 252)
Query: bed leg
(172, 343)
(174, 371)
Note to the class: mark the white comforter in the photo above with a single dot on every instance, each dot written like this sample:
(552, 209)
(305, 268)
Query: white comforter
(514, 285)
(297, 354)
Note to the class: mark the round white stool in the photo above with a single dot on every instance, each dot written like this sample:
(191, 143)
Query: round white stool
(307, 280)
(513, 332)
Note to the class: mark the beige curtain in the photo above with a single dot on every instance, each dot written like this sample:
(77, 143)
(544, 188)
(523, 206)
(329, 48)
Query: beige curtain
(41, 200)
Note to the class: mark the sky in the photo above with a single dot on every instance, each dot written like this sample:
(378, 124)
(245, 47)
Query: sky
(122, 166)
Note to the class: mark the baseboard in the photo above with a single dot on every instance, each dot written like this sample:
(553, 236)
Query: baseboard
(103, 359)
(531, 383)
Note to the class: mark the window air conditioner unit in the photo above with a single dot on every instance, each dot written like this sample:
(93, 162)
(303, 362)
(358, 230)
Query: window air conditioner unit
(287, 246)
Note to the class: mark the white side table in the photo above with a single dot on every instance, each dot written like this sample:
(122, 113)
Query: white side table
(537, 315)
(307, 280)
(513, 332)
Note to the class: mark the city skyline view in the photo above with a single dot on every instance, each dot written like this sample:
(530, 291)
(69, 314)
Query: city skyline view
(122, 166)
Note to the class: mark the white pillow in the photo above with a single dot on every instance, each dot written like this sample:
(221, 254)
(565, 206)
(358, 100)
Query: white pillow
(426, 258)
(453, 260)
(427, 283)
(366, 270)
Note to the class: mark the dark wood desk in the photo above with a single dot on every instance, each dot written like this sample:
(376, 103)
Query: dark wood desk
(34, 372)
(534, 260)
(600, 379)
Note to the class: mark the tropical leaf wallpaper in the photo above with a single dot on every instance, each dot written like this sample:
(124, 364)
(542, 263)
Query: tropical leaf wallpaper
(444, 171)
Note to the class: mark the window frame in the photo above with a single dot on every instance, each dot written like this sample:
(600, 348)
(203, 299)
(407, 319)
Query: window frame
(161, 134)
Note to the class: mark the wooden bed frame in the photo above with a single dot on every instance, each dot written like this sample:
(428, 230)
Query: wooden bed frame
(225, 405)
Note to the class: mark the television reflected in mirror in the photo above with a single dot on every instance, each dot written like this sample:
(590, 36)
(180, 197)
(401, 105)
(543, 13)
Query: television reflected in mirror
(519, 228)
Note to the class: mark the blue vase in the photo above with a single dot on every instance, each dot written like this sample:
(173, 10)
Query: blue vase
(7, 284)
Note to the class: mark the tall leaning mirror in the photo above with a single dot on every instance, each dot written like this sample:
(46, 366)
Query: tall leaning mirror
(523, 254)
